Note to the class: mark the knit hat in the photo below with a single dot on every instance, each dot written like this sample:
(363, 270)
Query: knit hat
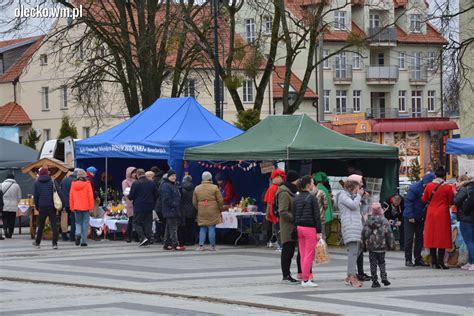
(187, 178)
(92, 169)
(43, 171)
(206, 176)
(10, 176)
(80, 173)
(278, 173)
(220, 177)
(171, 172)
(292, 176)
(320, 177)
(376, 209)
(355, 178)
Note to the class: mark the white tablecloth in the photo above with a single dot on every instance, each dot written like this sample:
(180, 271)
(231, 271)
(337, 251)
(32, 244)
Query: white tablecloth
(110, 223)
(230, 220)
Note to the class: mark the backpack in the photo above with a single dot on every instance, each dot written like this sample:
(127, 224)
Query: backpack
(468, 203)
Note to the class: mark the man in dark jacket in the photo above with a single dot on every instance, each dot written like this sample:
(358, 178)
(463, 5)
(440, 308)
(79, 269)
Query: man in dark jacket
(43, 197)
(64, 194)
(143, 193)
(170, 199)
(414, 221)
(189, 212)
(394, 214)
(464, 201)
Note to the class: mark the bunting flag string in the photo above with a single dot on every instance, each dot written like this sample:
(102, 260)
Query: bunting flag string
(242, 165)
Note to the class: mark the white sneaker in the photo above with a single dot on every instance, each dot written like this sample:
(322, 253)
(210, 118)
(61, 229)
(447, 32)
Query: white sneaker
(471, 268)
(308, 283)
(466, 266)
(269, 244)
(279, 250)
(143, 243)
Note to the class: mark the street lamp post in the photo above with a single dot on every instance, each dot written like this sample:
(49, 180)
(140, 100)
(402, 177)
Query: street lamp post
(217, 90)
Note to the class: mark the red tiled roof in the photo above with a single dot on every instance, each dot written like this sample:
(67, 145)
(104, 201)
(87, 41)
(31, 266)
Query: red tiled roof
(17, 68)
(15, 41)
(13, 114)
(432, 36)
(278, 78)
(342, 36)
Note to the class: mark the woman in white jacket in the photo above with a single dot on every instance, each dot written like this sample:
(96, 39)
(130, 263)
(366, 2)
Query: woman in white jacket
(351, 223)
(11, 196)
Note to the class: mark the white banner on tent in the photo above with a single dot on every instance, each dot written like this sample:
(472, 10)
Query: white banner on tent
(466, 165)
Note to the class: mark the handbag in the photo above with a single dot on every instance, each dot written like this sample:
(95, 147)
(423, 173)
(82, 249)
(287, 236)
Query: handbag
(58, 204)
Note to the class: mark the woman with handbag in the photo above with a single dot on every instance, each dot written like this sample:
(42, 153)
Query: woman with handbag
(81, 200)
(11, 196)
(44, 190)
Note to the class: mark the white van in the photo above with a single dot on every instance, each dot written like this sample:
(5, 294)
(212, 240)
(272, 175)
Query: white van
(60, 149)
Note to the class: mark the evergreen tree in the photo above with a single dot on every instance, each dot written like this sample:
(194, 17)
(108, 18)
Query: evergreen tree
(247, 119)
(31, 139)
(414, 171)
(67, 128)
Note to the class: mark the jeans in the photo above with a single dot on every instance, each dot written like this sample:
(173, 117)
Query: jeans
(352, 254)
(413, 231)
(171, 232)
(143, 222)
(53, 219)
(82, 225)
(307, 239)
(203, 231)
(377, 259)
(9, 223)
(467, 232)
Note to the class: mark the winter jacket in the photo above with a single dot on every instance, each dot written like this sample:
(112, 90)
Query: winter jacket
(394, 213)
(208, 201)
(43, 193)
(351, 219)
(307, 211)
(127, 183)
(81, 196)
(413, 204)
(228, 193)
(11, 195)
(65, 190)
(170, 200)
(377, 235)
(459, 200)
(187, 207)
(143, 193)
(286, 209)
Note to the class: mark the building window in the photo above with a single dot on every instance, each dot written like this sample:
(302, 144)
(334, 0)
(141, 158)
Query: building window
(431, 101)
(64, 97)
(190, 88)
(45, 98)
(340, 20)
(1, 65)
(46, 134)
(381, 59)
(43, 60)
(325, 58)
(250, 30)
(356, 61)
(415, 23)
(374, 20)
(402, 101)
(267, 24)
(340, 65)
(431, 60)
(248, 91)
(341, 101)
(401, 60)
(86, 132)
(416, 103)
(356, 100)
(327, 95)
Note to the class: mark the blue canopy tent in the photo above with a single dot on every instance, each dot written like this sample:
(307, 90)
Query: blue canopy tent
(161, 132)
(460, 146)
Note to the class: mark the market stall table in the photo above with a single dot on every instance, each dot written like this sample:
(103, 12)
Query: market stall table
(111, 224)
(236, 220)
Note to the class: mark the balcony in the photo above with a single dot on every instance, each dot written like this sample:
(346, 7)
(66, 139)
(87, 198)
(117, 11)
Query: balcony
(418, 75)
(381, 74)
(379, 113)
(342, 74)
(382, 36)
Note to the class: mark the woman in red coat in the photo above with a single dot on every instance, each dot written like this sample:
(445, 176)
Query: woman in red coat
(437, 235)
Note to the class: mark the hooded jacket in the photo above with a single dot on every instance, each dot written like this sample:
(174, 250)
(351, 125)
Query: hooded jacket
(81, 196)
(286, 208)
(43, 193)
(351, 219)
(464, 189)
(65, 190)
(209, 202)
(377, 235)
(127, 183)
(187, 207)
(11, 195)
(413, 204)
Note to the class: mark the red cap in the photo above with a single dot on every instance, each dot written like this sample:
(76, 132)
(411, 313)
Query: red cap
(43, 171)
(278, 173)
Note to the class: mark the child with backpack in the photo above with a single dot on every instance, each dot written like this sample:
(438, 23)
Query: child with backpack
(377, 237)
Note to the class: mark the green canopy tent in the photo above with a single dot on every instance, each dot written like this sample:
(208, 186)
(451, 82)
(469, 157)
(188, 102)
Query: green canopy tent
(296, 138)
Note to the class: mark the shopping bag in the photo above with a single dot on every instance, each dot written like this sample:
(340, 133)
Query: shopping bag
(64, 226)
(322, 253)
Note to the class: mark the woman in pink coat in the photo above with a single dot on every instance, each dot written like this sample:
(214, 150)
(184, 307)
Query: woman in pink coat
(130, 177)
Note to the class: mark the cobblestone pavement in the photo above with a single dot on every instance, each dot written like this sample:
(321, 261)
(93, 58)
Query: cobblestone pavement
(113, 277)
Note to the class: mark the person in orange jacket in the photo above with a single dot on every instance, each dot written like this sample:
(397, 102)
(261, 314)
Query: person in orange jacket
(81, 202)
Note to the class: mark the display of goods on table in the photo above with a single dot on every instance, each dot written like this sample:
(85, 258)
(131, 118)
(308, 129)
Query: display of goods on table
(116, 211)
(246, 205)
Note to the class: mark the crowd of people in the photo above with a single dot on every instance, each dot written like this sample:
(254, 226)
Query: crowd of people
(298, 209)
